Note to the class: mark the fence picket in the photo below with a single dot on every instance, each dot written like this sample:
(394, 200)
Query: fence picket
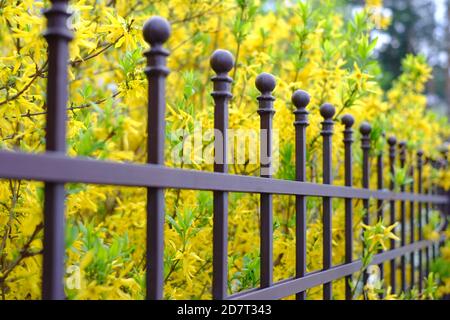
(221, 62)
(327, 111)
(300, 99)
(58, 37)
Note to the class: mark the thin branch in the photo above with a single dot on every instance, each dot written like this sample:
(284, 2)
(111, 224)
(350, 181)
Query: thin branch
(24, 253)
(39, 72)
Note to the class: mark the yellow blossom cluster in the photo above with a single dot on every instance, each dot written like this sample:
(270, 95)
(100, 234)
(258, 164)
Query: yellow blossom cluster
(309, 46)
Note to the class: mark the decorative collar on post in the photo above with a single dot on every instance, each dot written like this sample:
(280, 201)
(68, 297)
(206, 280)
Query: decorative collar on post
(265, 83)
(392, 141)
(56, 16)
(156, 32)
(222, 61)
(365, 130)
(348, 121)
(420, 158)
(327, 111)
(301, 99)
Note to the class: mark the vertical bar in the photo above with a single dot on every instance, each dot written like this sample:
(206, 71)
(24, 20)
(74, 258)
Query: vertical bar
(365, 130)
(222, 62)
(300, 99)
(380, 213)
(348, 121)
(444, 207)
(402, 146)
(156, 32)
(419, 210)
(392, 141)
(427, 221)
(58, 37)
(412, 225)
(327, 111)
(433, 207)
(265, 83)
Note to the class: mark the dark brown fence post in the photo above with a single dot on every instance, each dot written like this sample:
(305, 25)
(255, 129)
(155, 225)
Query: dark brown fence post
(156, 32)
(380, 210)
(300, 99)
(402, 147)
(365, 130)
(427, 220)
(348, 121)
(412, 224)
(265, 83)
(392, 141)
(444, 207)
(58, 37)
(222, 62)
(433, 207)
(419, 209)
(327, 111)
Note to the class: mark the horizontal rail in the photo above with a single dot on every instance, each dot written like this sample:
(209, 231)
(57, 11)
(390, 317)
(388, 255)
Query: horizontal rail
(55, 167)
(292, 286)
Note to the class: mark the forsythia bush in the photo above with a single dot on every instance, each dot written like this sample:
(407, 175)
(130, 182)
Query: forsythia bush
(313, 45)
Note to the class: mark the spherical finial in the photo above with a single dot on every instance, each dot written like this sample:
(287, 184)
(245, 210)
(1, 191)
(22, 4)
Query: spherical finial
(265, 82)
(420, 153)
(327, 110)
(392, 140)
(222, 61)
(365, 128)
(348, 120)
(156, 30)
(300, 99)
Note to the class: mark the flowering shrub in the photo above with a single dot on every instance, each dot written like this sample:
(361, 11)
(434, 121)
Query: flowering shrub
(309, 45)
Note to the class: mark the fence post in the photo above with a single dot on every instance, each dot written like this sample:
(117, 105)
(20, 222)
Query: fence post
(380, 210)
(327, 111)
(419, 209)
(156, 32)
(348, 121)
(222, 62)
(411, 223)
(58, 37)
(392, 141)
(444, 207)
(433, 207)
(365, 130)
(427, 220)
(265, 83)
(300, 99)
(402, 147)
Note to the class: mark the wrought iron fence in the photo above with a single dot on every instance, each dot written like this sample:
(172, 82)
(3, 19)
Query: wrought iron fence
(55, 168)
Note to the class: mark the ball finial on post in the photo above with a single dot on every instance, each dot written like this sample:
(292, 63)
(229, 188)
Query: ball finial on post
(365, 128)
(265, 83)
(156, 30)
(348, 121)
(392, 141)
(222, 61)
(327, 111)
(300, 99)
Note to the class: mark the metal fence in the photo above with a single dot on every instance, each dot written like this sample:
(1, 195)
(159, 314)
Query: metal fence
(55, 169)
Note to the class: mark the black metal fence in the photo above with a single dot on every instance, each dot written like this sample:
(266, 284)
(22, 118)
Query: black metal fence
(56, 169)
